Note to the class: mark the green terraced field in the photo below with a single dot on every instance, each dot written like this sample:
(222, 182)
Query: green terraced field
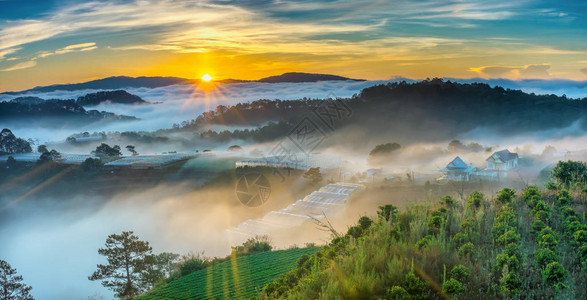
(239, 278)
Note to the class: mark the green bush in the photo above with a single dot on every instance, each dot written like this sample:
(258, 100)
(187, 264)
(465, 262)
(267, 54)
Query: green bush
(191, 266)
(466, 251)
(510, 283)
(447, 201)
(506, 195)
(508, 237)
(453, 286)
(423, 242)
(530, 192)
(365, 222)
(460, 273)
(544, 256)
(398, 293)
(414, 285)
(554, 273)
(579, 238)
(548, 241)
(475, 199)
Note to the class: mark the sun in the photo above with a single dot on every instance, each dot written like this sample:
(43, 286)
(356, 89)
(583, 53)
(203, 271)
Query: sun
(206, 77)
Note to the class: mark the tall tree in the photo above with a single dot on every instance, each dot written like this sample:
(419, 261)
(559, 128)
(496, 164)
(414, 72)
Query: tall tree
(50, 156)
(11, 287)
(42, 149)
(132, 150)
(129, 262)
(9, 143)
(104, 150)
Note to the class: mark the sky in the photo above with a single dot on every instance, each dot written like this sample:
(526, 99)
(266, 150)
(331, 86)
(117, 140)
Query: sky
(65, 41)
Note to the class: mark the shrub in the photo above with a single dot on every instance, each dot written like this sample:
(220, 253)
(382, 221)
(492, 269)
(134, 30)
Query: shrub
(508, 237)
(453, 286)
(538, 225)
(579, 238)
(542, 215)
(460, 238)
(554, 273)
(510, 283)
(545, 256)
(448, 201)
(548, 241)
(423, 242)
(475, 199)
(506, 195)
(466, 251)
(387, 212)
(414, 285)
(551, 186)
(398, 292)
(504, 260)
(563, 198)
(191, 266)
(365, 222)
(530, 192)
(355, 231)
(460, 273)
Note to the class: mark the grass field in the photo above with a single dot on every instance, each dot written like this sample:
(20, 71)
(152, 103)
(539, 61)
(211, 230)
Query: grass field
(236, 278)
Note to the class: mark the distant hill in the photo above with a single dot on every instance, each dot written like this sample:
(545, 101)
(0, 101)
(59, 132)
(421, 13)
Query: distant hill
(109, 83)
(431, 109)
(303, 77)
(232, 279)
(121, 82)
(53, 112)
(119, 97)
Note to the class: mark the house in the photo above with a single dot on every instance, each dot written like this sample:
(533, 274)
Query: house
(458, 170)
(502, 161)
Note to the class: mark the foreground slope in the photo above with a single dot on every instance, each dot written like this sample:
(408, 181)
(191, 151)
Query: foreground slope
(236, 278)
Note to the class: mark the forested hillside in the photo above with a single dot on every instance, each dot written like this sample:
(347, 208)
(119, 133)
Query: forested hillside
(435, 108)
(515, 244)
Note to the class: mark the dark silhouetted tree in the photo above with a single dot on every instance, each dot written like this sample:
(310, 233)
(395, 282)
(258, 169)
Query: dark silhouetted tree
(11, 286)
(314, 175)
(9, 143)
(42, 149)
(132, 150)
(129, 262)
(104, 150)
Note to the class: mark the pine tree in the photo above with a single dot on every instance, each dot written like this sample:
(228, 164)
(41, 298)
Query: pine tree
(128, 265)
(11, 287)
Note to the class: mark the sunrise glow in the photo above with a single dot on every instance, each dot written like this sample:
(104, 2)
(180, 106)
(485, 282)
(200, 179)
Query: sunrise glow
(206, 77)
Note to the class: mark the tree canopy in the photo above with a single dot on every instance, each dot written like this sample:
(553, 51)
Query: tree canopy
(129, 260)
(9, 143)
(11, 286)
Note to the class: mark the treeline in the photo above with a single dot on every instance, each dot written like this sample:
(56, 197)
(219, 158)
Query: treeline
(45, 110)
(435, 108)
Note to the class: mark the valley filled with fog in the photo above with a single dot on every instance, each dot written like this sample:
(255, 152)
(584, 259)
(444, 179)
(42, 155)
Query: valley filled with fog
(52, 233)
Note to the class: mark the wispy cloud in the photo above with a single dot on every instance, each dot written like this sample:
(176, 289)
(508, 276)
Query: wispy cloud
(6, 52)
(71, 48)
(527, 71)
(20, 66)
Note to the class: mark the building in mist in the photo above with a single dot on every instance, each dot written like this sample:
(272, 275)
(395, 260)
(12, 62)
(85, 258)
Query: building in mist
(503, 160)
(458, 170)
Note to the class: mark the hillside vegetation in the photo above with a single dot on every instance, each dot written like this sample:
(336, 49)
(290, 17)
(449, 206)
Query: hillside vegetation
(239, 277)
(526, 244)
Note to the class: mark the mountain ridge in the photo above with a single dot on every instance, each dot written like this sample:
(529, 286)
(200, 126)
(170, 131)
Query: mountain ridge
(122, 82)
